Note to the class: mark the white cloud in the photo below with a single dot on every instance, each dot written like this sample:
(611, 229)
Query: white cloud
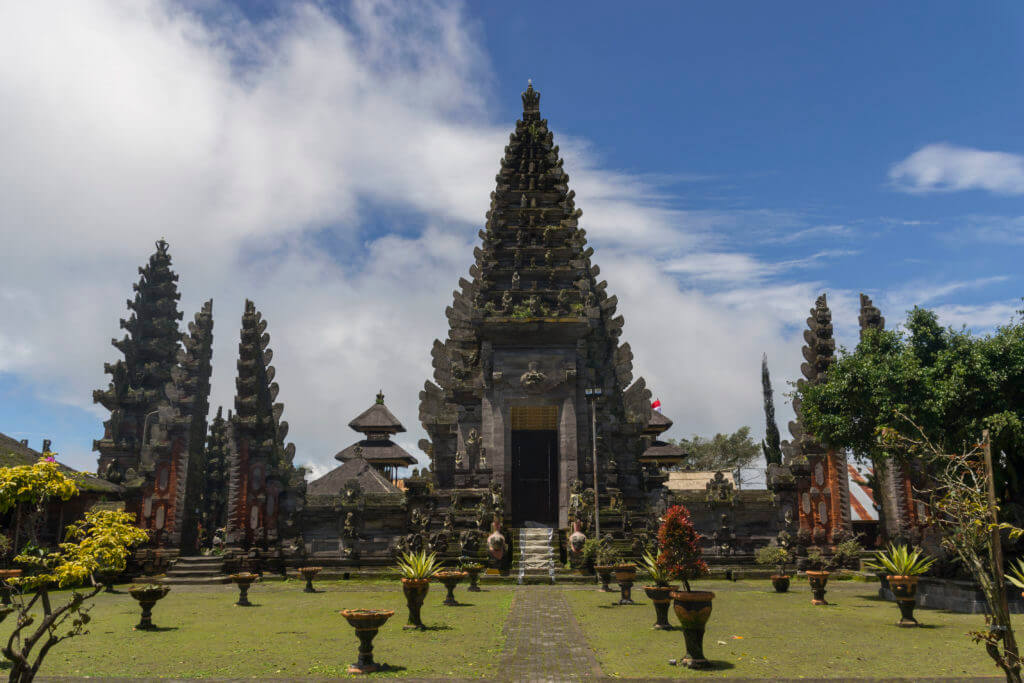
(942, 167)
(263, 153)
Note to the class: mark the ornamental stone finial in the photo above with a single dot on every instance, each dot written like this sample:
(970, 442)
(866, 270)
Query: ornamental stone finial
(380, 397)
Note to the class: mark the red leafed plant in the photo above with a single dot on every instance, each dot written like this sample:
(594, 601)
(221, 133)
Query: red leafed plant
(679, 549)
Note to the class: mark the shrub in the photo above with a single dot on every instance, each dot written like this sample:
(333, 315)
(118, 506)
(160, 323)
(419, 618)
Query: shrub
(679, 551)
(847, 553)
(772, 555)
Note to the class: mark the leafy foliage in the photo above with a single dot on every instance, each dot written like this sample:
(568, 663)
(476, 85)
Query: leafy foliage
(659, 574)
(773, 555)
(847, 553)
(1015, 574)
(722, 451)
(948, 382)
(900, 560)
(418, 566)
(679, 551)
(959, 504)
(771, 446)
(99, 542)
(34, 484)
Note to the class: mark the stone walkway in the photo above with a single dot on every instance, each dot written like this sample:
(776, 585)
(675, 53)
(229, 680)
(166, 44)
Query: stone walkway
(543, 641)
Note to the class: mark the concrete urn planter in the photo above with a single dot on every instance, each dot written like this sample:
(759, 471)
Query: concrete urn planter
(415, 593)
(904, 589)
(661, 598)
(780, 582)
(693, 609)
(366, 622)
(818, 581)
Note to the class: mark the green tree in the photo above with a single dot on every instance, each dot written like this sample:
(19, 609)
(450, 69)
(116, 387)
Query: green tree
(948, 382)
(722, 451)
(101, 541)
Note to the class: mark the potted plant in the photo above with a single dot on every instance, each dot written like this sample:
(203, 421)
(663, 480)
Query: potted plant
(605, 561)
(679, 553)
(661, 592)
(1015, 575)
(417, 570)
(775, 555)
(817, 576)
(904, 566)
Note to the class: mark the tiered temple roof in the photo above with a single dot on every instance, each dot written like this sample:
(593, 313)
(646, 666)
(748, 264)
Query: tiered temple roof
(137, 386)
(532, 280)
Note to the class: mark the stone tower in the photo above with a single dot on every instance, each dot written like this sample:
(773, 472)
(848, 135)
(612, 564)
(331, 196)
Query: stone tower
(152, 402)
(821, 478)
(264, 490)
(530, 330)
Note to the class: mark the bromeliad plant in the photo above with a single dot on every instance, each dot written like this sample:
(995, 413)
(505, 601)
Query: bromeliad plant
(658, 573)
(418, 566)
(900, 560)
(1015, 574)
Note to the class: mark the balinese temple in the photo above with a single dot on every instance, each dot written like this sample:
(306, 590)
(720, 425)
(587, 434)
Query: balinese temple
(378, 425)
(531, 330)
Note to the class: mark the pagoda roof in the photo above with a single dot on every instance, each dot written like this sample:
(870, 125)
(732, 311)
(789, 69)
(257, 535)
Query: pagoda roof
(377, 418)
(370, 480)
(663, 453)
(13, 453)
(378, 452)
(657, 424)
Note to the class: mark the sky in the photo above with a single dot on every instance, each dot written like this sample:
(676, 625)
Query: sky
(333, 162)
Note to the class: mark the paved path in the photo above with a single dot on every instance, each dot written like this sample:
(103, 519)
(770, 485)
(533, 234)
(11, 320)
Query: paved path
(543, 641)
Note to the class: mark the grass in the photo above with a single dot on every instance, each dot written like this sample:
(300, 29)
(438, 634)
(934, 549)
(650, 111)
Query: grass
(288, 633)
(757, 633)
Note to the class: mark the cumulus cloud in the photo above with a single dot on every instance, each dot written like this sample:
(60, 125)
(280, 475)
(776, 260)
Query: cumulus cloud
(942, 167)
(274, 157)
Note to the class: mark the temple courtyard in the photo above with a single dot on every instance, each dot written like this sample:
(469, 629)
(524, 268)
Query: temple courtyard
(513, 632)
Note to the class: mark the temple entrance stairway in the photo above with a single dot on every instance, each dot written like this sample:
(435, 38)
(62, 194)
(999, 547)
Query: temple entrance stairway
(202, 569)
(534, 556)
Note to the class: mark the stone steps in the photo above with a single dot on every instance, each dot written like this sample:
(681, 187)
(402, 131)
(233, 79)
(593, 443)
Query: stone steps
(535, 560)
(196, 571)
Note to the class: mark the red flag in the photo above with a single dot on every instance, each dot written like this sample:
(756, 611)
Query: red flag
(656, 405)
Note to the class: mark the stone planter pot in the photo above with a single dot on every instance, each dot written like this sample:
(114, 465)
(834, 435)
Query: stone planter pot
(693, 609)
(108, 578)
(904, 589)
(366, 622)
(415, 593)
(625, 575)
(309, 573)
(474, 575)
(817, 581)
(243, 580)
(780, 582)
(604, 572)
(5, 588)
(661, 597)
(147, 597)
(450, 581)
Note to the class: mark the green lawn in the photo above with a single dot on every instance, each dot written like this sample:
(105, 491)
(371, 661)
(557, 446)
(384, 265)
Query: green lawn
(757, 633)
(288, 633)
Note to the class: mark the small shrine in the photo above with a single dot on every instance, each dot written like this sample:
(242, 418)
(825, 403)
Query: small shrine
(377, 424)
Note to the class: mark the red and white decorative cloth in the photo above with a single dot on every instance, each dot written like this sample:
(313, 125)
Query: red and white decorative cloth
(656, 405)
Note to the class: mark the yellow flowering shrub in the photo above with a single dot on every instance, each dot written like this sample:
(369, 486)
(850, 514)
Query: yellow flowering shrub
(34, 483)
(101, 541)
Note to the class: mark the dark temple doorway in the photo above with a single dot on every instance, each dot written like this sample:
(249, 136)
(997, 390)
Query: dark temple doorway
(535, 476)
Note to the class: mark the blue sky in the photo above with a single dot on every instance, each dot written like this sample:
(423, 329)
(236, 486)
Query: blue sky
(333, 161)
